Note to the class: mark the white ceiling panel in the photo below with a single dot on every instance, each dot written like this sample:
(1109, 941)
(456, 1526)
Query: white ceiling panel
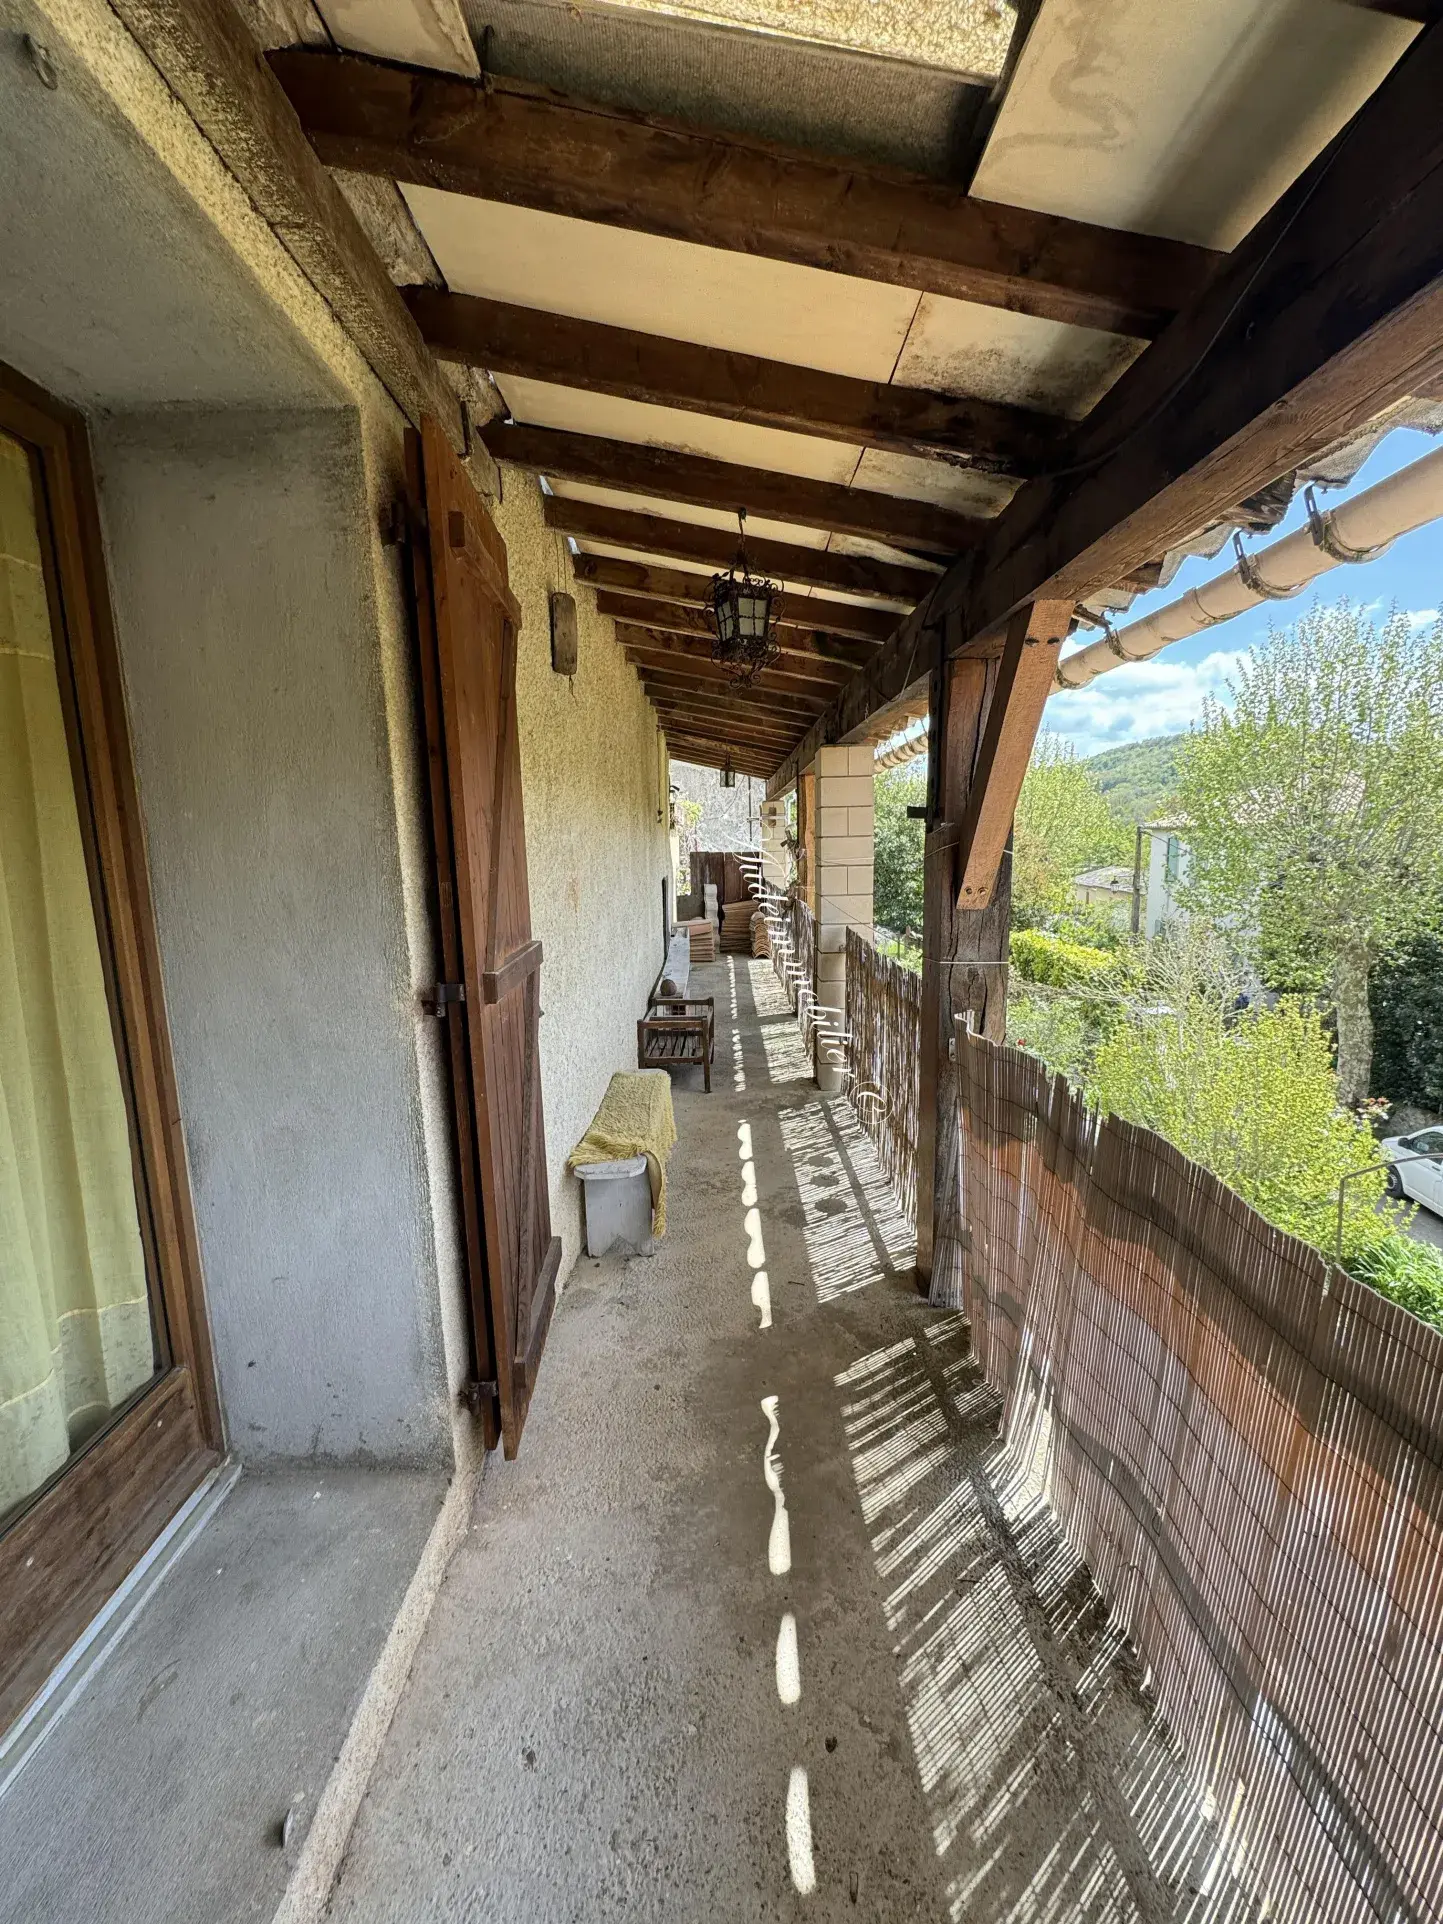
(419, 33)
(757, 528)
(543, 405)
(721, 299)
(1188, 118)
(799, 588)
(991, 354)
(879, 551)
(917, 479)
(964, 36)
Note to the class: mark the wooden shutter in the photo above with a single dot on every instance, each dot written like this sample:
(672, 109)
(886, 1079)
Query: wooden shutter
(467, 621)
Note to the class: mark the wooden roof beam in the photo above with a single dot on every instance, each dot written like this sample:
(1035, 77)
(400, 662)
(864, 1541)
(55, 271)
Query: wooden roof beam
(704, 754)
(812, 695)
(735, 387)
(717, 547)
(672, 585)
(505, 140)
(707, 727)
(805, 650)
(768, 704)
(812, 672)
(764, 723)
(635, 468)
(1328, 312)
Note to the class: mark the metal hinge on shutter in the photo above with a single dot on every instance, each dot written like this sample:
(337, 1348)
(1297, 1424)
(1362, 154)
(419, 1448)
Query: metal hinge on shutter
(441, 998)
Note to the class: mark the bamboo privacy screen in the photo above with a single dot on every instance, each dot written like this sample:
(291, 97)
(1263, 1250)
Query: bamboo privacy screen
(884, 1019)
(1245, 1446)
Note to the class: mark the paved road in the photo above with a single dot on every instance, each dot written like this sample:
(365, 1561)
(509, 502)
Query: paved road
(1427, 1228)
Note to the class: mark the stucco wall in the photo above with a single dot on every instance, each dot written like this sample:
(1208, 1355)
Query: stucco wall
(596, 841)
(239, 553)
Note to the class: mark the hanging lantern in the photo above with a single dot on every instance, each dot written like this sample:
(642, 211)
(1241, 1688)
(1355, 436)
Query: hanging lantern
(743, 612)
(728, 773)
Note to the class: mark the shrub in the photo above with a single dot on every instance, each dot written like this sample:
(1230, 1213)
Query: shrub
(1409, 1273)
(1038, 956)
(1254, 1098)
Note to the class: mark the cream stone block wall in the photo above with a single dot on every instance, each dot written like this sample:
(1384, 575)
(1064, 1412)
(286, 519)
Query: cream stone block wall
(845, 850)
(593, 782)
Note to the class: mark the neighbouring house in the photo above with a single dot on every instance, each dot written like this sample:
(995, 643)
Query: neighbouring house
(1143, 898)
(1164, 860)
(1109, 889)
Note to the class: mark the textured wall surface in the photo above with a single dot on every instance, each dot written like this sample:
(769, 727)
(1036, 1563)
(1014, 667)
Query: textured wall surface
(596, 841)
(240, 568)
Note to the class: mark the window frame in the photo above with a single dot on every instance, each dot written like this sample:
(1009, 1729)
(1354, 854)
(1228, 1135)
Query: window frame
(69, 1547)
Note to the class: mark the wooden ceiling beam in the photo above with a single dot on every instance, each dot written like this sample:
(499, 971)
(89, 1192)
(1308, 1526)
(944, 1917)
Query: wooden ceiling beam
(717, 547)
(707, 727)
(704, 754)
(1327, 313)
(766, 722)
(503, 339)
(723, 729)
(671, 585)
(505, 140)
(774, 704)
(636, 468)
(814, 695)
(807, 672)
(804, 650)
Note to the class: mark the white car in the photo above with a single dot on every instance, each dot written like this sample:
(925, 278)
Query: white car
(1421, 1178)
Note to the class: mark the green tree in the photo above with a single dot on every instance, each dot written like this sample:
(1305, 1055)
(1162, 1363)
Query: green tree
(897, 858)
(1315, 798)
(1064, 824)
(1250, 1095)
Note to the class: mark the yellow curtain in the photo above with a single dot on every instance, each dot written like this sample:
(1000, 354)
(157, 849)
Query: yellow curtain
(75, 1333)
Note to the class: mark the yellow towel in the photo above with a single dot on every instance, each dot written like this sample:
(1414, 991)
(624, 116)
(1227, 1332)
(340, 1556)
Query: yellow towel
(635, 1119)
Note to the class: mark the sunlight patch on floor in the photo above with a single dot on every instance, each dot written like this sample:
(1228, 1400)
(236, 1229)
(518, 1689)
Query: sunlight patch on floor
(1033, 1818)
(779, 1542)
(853, 1230)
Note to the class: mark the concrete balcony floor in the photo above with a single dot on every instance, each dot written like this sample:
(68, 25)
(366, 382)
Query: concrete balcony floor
(763, 1623)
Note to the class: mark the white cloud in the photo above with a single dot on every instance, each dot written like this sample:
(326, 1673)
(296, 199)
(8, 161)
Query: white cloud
(1422, 617)
(1162, 697)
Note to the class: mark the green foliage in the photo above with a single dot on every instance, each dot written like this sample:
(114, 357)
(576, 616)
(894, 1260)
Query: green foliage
(1064, 824)
(1408, 1272)
(1407, 1003)
(1039, 956)
(1253, 1097)
(1065, 997)
(1315, 804)
(1139, 779)
(1053, 1027)
(897, 871)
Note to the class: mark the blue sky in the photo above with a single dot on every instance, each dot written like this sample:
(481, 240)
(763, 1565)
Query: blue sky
(1165, 695)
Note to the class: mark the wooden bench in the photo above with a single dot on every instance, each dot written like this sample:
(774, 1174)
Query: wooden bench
(677, 1031)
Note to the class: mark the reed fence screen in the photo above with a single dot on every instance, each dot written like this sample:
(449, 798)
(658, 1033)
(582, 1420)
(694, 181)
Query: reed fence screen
(884, 1019)
(1245, 1446)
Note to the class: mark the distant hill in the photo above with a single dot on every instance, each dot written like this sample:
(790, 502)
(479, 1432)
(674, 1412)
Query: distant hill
(1140, 778)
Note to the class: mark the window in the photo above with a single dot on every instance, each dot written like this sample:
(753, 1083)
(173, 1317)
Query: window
(108, 1411)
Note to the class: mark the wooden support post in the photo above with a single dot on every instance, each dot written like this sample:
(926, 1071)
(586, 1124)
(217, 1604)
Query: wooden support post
(1026, 676)
(983, 719)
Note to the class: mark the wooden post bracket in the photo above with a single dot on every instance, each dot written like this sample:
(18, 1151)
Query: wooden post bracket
(1025, 678)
